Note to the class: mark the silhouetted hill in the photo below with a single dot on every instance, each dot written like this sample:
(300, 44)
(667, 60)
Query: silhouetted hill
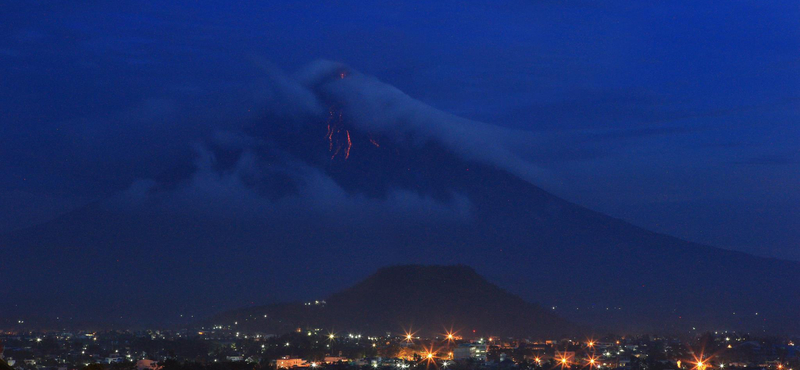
(428, 300)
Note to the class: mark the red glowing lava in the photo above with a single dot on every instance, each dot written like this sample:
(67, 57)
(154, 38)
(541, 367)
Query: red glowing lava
(338, 136)
(349, 145)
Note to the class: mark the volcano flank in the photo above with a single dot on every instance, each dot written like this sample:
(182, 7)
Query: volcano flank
(341, 175)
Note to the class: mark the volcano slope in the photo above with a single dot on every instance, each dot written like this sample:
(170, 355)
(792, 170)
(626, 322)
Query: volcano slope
(343, 174)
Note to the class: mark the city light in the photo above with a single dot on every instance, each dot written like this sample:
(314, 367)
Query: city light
(429, 356)
(429, 351)
(562, 360)
(591, 362)
(701, 363)
(409, 335)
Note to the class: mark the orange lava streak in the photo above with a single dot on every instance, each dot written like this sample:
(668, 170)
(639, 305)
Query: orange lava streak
(349, 145)
(339, 139)
(330, 137)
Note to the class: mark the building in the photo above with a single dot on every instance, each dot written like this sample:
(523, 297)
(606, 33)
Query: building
(114, 359)
(334, 359)
(147, 365)
(467, 351)
(287, 362)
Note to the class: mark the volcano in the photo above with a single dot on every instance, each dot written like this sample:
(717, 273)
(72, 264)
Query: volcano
(343, 174)
(424, 300)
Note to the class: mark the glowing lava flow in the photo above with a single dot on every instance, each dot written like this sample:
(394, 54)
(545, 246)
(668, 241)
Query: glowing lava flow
(338, 137)
(349, 145)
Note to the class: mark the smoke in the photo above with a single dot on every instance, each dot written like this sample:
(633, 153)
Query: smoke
(252, 174)
(210, 196)
(381, 108)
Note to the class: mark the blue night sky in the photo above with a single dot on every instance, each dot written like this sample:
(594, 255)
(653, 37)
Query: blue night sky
(681, 117)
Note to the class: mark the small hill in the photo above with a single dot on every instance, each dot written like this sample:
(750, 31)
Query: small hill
(427, 300)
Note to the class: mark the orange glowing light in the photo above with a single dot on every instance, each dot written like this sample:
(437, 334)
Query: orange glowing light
(563, 360)
(429, 356)
(450, 335)
(701, 363)
(591, 362)
(409, 336)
